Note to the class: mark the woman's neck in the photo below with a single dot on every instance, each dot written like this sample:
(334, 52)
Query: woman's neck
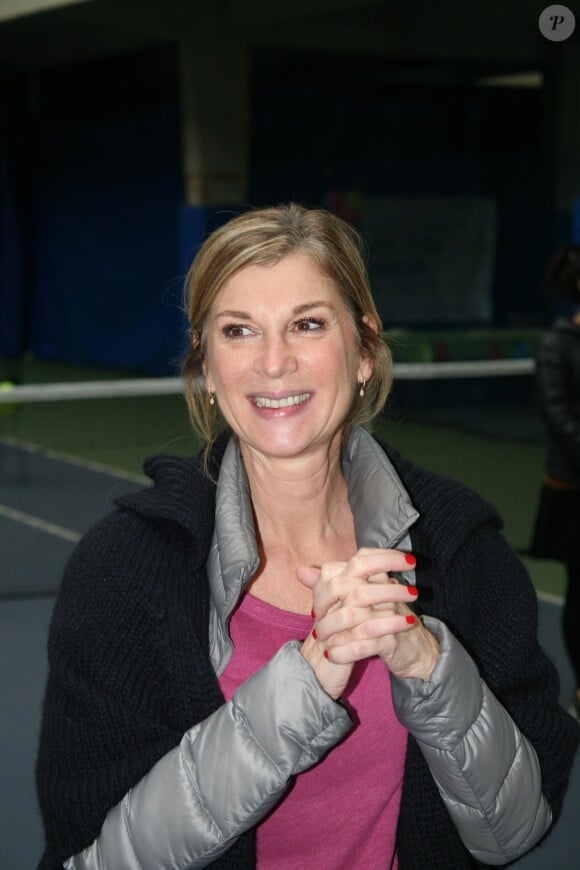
(298, 502)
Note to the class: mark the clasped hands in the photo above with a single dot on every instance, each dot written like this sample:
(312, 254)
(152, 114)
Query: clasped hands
(360, 611)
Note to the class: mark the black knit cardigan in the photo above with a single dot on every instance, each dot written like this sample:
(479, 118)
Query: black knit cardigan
(130, 670)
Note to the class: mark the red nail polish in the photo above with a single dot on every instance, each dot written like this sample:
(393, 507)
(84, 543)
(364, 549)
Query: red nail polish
(314, 635)
(412, 590)
(409, 620)
(410, 559)
(312, 614)
(325, 653)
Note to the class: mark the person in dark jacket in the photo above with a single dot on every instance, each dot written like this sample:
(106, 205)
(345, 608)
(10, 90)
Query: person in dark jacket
(557, 528)
(297, 649)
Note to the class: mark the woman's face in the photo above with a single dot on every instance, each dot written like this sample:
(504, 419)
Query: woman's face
(283, 358)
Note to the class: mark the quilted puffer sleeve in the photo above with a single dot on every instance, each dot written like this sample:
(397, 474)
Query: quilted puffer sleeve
(486, 771)
(226, 774)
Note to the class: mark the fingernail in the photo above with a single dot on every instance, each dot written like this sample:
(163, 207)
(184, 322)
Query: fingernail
(314, 635)
(412, 590)
(409, 620)
(312, 614)
(325, 653)
(410, 559)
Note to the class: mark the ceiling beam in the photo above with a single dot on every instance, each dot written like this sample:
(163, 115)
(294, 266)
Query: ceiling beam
(19, 8)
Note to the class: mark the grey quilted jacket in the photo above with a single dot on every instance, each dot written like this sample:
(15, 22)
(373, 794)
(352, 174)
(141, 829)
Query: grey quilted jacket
(181, 816)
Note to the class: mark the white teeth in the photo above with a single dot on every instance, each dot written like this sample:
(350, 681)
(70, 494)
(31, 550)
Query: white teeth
(263, 402)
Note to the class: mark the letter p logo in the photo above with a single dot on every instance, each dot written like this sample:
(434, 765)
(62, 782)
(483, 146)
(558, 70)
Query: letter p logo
(557, 23)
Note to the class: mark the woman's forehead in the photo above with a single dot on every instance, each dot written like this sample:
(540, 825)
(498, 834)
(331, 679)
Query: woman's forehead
(293, 280)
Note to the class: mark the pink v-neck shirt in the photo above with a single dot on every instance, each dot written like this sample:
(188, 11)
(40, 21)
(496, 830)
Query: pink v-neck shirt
(342, 813)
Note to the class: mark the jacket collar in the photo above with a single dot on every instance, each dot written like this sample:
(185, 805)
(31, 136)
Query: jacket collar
(381, 507)
(183, 494)
(380, 504)
(180, 486)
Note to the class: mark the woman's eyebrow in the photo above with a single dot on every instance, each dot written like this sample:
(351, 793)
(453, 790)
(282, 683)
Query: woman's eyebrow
(307, 306)
(299, 309)
(240, 315)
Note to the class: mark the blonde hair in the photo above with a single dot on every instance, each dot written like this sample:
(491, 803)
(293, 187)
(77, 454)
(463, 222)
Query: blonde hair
(264, 237)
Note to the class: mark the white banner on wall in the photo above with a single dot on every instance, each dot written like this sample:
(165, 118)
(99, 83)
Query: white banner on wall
(431, 259)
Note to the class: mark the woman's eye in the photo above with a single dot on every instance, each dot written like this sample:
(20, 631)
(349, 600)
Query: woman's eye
(309, 324)
(236, 330)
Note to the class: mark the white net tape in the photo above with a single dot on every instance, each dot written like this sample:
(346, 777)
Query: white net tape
(174, 386)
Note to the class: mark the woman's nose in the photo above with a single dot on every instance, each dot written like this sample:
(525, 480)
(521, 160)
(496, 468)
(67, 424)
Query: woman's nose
(276, 357)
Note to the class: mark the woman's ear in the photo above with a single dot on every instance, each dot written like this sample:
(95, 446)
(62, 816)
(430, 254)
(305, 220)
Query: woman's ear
(366, 366)
(203, 363)
(365, 370)
(371, 323)
(207, 379)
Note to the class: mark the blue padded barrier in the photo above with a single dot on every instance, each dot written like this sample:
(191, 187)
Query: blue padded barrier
(106, 283)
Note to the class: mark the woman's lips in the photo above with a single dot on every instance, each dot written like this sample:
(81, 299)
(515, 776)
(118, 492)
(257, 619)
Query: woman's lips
(288, 400)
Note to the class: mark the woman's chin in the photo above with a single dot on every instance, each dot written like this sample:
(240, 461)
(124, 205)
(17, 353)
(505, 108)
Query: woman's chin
(288, 443)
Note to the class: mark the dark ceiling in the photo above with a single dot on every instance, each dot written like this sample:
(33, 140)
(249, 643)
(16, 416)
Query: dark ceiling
(500, 33)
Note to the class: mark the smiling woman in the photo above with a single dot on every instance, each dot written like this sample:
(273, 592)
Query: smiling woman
(302, 625)
(328, 250)
(279, 365)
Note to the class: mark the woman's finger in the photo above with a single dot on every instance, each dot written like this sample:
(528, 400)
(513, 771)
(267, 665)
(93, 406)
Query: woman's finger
(366, 563)
(338, 583)
(369, 639)
(308, 575)
(366, 603)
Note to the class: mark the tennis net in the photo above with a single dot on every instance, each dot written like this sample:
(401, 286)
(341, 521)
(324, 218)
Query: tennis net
(68, 449)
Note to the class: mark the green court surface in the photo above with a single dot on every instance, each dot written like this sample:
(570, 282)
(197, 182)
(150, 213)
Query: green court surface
(506, 472)
(120, 432)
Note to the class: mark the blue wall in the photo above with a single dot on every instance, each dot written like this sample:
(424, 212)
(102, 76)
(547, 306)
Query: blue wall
(105, 281)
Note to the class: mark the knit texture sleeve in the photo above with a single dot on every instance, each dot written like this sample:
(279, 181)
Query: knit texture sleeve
(110, 709)
(483, 594)
(501, 636)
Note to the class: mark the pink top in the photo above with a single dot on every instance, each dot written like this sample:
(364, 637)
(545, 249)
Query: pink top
(318, 822)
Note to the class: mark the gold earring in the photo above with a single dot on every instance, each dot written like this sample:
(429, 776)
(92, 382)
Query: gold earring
(362, 388)
(211, 393)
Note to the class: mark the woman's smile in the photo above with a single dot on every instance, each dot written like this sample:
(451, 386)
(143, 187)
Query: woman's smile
(285, 402)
